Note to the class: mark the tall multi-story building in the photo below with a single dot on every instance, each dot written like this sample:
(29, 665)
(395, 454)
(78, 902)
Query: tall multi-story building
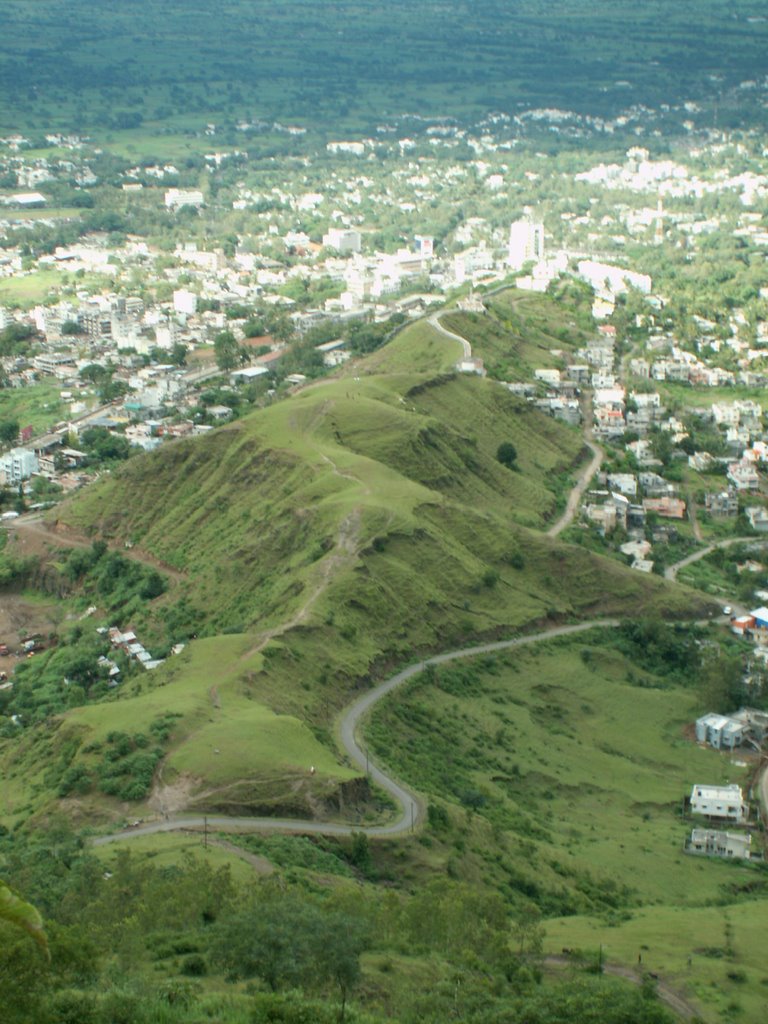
(526, 241)
(343, 240)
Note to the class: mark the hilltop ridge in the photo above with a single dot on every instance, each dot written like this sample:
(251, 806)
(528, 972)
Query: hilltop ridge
(318, 543)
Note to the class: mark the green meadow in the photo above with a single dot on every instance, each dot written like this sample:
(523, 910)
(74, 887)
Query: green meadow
(31, 289)
(38, 405)
(570, 767)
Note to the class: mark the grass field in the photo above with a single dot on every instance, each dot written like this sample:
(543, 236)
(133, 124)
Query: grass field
(681, 396)
(30, 289)
(418, 348)
(714, 955)
(718, 573)
(571, 767)
(52, 213)
(169, 850)
(38, 406)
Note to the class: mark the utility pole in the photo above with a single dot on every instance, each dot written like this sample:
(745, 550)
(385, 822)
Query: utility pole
(205, 831)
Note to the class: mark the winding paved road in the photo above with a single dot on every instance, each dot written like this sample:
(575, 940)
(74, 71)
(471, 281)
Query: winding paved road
(671, 571)
(411, 807)
(434, 321)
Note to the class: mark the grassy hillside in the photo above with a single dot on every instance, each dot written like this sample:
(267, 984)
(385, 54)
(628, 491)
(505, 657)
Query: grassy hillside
(523, 331)
(315, 544)
(564, 767)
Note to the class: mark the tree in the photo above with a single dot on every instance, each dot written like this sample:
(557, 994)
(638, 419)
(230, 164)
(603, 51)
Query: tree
(273, 939)
(15, 339)
(342, 938)
(103, 445)
(720, 684)
(228, 352)
(288, 941)
(95, 373)
(360, 854)
(528, 932)
(9, 431)
(178, 354)
(506, 454)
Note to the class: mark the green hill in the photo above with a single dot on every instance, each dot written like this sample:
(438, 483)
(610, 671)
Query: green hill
(315, 544)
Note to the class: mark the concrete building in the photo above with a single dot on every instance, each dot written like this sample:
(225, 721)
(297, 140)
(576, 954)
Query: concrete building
(57, 364)
(667, 507)
(96, 319)
(709, 843)
(724, 802)
(743, 476)
(720, 731)
(526, 241)
(343, 240)
(17, 465)
(175, 198)
(185, 302)
(758, 518)
(624, 483)
(722, 503)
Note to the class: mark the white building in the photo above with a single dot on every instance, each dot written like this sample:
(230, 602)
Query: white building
(720, 732)
(710, 843)
(185, 302)
(615, 279)
(17, 465)
(248, 374)
(353, 148)
(175, 198)
(624, 483)
(719, 802)
(425, 246)
(526, 242)
(548, 376)
(165, 335)
(343, 240)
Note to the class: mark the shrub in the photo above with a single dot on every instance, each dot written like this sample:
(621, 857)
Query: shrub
(195, 966)
(506, 454)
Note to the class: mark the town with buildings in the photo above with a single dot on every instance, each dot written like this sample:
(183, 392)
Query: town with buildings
(119, 335)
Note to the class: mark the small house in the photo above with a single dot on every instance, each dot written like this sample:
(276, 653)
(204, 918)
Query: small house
(720, 731)
(724, 802)
(710, 843)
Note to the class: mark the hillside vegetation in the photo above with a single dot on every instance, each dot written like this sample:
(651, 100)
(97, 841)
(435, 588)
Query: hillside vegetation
(315, 544)
(557, 774)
